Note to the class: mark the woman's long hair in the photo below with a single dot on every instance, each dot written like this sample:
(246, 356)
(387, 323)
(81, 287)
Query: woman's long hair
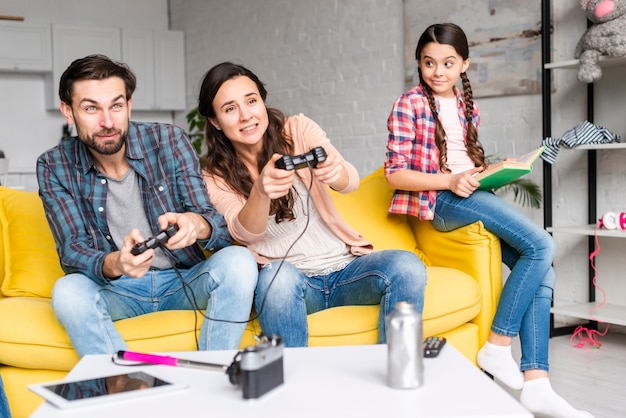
(220, 158)
(453, 35)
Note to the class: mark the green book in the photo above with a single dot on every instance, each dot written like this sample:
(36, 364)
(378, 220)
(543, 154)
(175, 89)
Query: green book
(503, 172)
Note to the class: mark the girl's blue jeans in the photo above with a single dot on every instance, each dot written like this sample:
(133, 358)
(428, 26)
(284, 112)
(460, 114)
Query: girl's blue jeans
(223, 285)
(285, 296)
(528, 250)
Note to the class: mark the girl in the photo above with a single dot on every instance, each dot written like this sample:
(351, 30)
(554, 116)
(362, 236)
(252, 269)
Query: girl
(311, 259)
(433, 153)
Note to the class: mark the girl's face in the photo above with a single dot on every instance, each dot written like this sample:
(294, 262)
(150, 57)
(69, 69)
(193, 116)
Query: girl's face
(441, 67)
(240, 112)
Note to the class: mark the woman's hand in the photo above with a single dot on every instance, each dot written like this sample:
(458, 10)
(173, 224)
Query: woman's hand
(331, 171)
(463, 184)
(274, 182)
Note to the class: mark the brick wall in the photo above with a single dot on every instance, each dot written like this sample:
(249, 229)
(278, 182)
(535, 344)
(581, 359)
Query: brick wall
(338, 62)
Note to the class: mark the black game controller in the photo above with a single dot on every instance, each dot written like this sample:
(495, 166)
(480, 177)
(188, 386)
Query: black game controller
(296, 162)
(156, 241)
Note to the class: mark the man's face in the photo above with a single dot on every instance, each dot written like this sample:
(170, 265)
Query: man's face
(101, 113)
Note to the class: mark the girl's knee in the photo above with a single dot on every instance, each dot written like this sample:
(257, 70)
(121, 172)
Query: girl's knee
(545, 245)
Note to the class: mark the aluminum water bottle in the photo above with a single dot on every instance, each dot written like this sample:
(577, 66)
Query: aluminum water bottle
(405, 363)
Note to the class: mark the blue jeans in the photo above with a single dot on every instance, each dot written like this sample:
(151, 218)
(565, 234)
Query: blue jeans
(223, 285)
(382, 277)
(4, 403)
(528, 250)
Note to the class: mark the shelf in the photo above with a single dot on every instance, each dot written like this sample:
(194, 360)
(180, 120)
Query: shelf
(609, 313)
(599, 147)
(604, 61)
(588, 230)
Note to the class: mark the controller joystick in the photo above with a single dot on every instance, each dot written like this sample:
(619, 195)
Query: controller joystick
(308, 159)
(156, 241)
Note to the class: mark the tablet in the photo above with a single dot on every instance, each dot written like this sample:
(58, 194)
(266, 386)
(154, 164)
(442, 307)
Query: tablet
(98, 390)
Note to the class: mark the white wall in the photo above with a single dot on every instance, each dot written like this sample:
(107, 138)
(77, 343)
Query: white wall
(338, 62)
(26, 128)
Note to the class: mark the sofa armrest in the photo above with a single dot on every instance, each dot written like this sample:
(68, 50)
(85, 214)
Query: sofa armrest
(471, 249)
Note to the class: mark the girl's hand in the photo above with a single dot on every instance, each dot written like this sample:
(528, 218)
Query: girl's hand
(463, 184)
(274, 182)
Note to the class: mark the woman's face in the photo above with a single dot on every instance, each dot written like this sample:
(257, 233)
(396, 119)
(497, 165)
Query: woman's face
(240, 112)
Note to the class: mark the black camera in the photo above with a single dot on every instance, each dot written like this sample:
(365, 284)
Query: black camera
(296, 162)
(258, 368)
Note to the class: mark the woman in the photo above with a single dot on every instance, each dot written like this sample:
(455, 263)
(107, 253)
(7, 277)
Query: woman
(310, 258)
(433, 153)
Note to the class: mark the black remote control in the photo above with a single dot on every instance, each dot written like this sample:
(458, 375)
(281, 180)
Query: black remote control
(433, 345)
(156, 241)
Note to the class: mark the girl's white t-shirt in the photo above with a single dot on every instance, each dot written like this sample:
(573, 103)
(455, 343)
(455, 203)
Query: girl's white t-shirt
(458, 160)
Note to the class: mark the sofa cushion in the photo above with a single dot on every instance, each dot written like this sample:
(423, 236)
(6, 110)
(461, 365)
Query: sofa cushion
(366, 211)
(34, 339)
(452, 298)
(31, 262)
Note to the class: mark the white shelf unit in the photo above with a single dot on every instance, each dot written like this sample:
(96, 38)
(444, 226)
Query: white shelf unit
(588, 230)
(591, 310)
(609, 312)
(604, 62)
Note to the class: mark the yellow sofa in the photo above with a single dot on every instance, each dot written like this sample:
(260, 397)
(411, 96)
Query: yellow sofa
(464, 283)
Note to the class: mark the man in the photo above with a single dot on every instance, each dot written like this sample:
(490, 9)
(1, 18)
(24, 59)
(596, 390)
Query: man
(111, 187)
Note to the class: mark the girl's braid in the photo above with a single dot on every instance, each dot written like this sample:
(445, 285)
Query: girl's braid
(474, 148)
(440, 133)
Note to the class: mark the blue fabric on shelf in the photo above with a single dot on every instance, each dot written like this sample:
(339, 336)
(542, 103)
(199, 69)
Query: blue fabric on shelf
(584, 133)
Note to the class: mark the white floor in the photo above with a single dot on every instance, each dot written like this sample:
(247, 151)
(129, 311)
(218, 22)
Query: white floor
(590, 379)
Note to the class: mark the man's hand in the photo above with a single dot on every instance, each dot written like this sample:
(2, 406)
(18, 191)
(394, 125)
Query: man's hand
(191, 228)
(124, 263)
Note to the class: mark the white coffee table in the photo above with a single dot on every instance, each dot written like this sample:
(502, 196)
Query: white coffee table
(347, 381)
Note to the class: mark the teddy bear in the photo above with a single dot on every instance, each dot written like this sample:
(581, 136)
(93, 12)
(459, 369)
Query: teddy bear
(606, 36)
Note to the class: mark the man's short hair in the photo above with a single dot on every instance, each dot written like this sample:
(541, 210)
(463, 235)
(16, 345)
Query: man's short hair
(95, 67)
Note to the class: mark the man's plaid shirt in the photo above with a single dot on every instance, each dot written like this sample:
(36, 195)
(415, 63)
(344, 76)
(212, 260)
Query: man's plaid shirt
(74, 195)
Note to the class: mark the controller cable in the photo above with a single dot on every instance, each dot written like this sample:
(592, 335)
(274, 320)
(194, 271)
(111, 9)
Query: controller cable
(192, 299)
(584, 337)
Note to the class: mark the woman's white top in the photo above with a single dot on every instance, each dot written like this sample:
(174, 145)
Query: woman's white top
(316, 252)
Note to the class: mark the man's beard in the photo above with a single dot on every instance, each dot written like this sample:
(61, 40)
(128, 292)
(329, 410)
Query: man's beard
(104, 148)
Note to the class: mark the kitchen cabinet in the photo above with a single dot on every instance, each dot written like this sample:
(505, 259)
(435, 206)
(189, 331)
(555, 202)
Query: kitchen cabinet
(157, 58)
(72, 42)
(25, 47)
